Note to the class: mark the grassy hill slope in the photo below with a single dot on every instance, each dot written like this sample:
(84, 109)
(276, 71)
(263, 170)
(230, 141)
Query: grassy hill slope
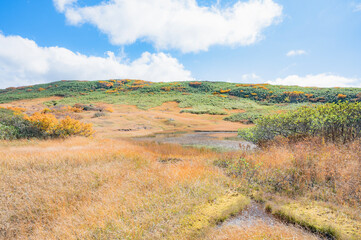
(198, 97)
(257, 92)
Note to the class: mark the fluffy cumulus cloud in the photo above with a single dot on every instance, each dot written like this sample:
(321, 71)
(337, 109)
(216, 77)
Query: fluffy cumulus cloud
(176, 24)
(23, 62)
(320, 80)
(293, 53)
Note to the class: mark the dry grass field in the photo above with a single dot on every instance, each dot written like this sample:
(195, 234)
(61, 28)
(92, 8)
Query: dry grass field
(112, 187)
(130, 121)
(103, 189)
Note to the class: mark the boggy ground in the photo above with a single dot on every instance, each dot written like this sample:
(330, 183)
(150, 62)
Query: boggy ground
(104, 189)
(111, 187)
(115, 189)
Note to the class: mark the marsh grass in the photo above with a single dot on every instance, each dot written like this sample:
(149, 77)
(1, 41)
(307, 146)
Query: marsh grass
(311, 183)
(103, 189)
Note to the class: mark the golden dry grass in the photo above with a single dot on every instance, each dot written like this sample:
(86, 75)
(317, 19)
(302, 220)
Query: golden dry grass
(141, 122)
(102, 189)
(105, 188)
(313, 168)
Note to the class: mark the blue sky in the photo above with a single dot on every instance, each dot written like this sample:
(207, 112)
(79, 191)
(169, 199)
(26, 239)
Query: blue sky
(324, 35)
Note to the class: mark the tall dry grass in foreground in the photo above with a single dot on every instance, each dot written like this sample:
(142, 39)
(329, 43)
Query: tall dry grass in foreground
(310, 168)
(102, 189)
(312, 183)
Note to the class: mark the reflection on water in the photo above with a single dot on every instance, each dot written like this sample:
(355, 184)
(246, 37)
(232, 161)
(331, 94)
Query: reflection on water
(223, 140)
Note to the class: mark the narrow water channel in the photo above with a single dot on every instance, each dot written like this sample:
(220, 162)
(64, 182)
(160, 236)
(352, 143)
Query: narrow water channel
(255, 223)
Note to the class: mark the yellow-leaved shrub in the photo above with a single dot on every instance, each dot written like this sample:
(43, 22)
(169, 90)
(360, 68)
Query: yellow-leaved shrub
(46, 122)
(69, 127)
(52, 127)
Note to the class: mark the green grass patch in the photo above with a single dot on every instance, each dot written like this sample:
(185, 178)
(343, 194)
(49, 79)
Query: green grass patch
(204, 111)
(213, 212)
(319, 218)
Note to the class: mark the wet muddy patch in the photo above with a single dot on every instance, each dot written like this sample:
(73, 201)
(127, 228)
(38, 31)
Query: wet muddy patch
(255, 223)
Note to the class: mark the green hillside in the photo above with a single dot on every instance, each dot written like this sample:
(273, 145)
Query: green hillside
(200, 97)
(257, 92)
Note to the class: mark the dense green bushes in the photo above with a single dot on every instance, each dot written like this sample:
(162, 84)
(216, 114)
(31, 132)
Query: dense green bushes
(337, 122)
(16, 127)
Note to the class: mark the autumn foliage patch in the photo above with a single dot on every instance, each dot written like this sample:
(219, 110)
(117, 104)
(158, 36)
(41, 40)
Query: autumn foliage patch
(16, 125)
(52, 127)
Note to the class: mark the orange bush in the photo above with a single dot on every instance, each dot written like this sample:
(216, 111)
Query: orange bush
(341, 96)
(195, 84)
(294, 93)
(46, 110)
(109, 109)
(16, 109)
(75, 109)
(105, 84)
(225, 91)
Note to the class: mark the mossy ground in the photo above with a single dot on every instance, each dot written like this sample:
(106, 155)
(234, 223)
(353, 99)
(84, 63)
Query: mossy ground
(318, 217)
(207, 215)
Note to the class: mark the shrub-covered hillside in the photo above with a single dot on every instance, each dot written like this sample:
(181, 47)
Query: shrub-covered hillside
(258, 92)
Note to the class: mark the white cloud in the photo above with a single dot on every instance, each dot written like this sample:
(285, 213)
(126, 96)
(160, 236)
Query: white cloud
(296, 53)
(357, 7)
(320, 80)
(23, 62)
(61, 5)
(250, 77)
(177, 24)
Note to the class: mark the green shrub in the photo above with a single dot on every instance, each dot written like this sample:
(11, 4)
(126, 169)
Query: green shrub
(7, 132)
(246, 117)
(16, 127)
(337, 122)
